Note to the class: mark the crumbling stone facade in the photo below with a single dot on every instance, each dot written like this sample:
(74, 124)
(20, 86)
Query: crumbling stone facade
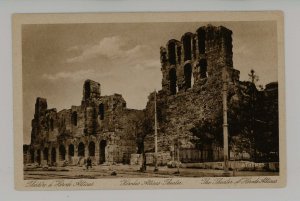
(195, 72)
(102, 128)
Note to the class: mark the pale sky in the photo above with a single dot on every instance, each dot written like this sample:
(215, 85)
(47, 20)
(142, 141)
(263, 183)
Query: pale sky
(123, 58)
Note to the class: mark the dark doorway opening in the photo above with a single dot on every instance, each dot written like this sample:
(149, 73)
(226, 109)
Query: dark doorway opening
(102, 151)
(62, 153)
(53, 155)
(92, 149)
(81, 149)
(71, 150)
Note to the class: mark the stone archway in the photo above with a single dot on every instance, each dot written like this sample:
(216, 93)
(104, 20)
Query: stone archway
(201, 40)
(172, 53)
(81, 148)
(92, 149)
(187, 46)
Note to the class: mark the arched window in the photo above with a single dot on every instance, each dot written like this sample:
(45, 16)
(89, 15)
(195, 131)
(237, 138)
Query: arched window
(173, 80)
(172, 53)
(81, 149)
(188, 75)
(92, 149)
(203, 68)
(201, 41)
(187, 47)
(101, 111)
(74, 118)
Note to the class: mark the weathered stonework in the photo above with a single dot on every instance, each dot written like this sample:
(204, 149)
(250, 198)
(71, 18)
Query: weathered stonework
(189, 110)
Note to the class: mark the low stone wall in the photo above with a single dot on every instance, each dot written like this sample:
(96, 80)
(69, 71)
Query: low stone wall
(235, 165)
(136, 159)
(162, 158)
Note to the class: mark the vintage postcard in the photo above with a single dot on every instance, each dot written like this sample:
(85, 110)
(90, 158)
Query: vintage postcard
(149, 100)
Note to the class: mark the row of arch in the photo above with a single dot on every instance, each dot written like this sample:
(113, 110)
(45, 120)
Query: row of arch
(188, 42)
(62, 152)
(188, 75)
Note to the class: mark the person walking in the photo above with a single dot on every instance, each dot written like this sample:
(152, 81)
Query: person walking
(88, 163)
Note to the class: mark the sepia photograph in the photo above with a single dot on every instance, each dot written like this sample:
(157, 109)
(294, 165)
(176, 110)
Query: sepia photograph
(149, 100)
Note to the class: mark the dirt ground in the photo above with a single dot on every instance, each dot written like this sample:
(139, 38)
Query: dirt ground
(128, 171)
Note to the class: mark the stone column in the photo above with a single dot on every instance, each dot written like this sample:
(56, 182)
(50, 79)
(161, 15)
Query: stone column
(75, 151)
(97, 153)
(57, 154)
(49, 155)
(67, 153)
(86, 151)
(75, 157)
(42, 155)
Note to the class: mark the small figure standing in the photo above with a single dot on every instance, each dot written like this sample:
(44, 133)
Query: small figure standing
(88, 163)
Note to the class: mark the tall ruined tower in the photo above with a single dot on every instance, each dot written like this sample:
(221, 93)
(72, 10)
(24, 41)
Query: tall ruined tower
(91, 91)
(40, 111)
(197, 57)
(190, 101)
(91, 96)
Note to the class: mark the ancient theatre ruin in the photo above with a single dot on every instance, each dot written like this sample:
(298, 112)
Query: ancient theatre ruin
(189, 114)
